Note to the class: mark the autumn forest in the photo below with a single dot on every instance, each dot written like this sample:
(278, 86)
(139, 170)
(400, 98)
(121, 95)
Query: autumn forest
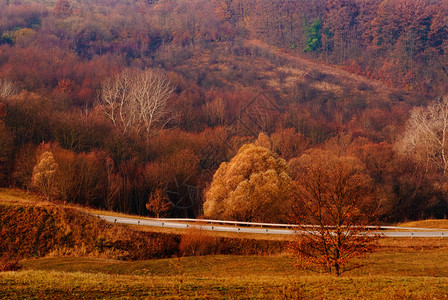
(163, 107)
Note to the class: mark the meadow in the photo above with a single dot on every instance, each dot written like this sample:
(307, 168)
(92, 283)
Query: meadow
(413, 274)
(402, 268)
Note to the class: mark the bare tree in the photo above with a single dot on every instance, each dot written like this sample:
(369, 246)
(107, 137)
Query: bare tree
(425, 138)
(136, 101)
(335, 201)
(7, 88)
(216, 111)
(44, 174)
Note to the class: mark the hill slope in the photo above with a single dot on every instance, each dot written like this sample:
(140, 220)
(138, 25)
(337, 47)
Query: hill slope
(30, 230)
(33, 228)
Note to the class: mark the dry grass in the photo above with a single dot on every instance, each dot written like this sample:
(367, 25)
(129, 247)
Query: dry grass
(436, 224)
(402, 268)
(417, 243)
(39, 284)
(230, 235)
(11, 197)
(44, 229)
(387, 275)
(414, 263)
(34, 228)
(19, 197)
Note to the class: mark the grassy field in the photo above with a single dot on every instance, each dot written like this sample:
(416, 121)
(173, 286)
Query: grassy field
(433, 224)
(387, 275)
(39, 284)
(415, 263)
(402, 268)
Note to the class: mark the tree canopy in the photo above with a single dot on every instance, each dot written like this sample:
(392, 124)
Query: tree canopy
(253, 186)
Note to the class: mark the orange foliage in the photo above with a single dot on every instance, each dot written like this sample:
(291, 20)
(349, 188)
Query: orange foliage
(158, 204)
(335, 196)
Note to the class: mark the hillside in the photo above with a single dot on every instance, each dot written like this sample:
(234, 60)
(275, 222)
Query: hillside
(38, 229)
(275, 69)
(33, 228)
(330, 113)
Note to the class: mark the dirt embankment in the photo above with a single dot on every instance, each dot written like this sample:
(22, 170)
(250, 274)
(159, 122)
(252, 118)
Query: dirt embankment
(43, 230)
(28, 231)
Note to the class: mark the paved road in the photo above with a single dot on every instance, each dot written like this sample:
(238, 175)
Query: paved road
(415, 232)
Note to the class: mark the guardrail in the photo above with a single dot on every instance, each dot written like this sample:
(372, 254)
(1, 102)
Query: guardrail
(251, 228)
(222, 222)
(274, 225)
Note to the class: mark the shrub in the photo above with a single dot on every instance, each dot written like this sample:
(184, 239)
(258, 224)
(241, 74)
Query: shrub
(197, 242)
(364, 86)
(6, 266)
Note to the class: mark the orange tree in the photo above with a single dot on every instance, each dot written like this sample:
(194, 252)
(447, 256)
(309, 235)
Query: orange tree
(254, 186)
(333, 206)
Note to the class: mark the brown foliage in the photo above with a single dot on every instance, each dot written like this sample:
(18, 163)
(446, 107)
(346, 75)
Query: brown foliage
(25, 161)
(62, 8)
(197, 242)
(289, 143)
(158, 204)
(406, 190)
(6, 266)
(6, 152)
(82, 178)
(61, 59)
(44, 175)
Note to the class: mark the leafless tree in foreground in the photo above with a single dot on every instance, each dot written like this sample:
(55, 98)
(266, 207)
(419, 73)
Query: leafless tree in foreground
(335, 202)
(136, 101)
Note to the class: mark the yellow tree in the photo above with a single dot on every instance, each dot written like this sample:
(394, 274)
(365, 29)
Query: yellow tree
(334, 204)
(253, 186)
(44, 174)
